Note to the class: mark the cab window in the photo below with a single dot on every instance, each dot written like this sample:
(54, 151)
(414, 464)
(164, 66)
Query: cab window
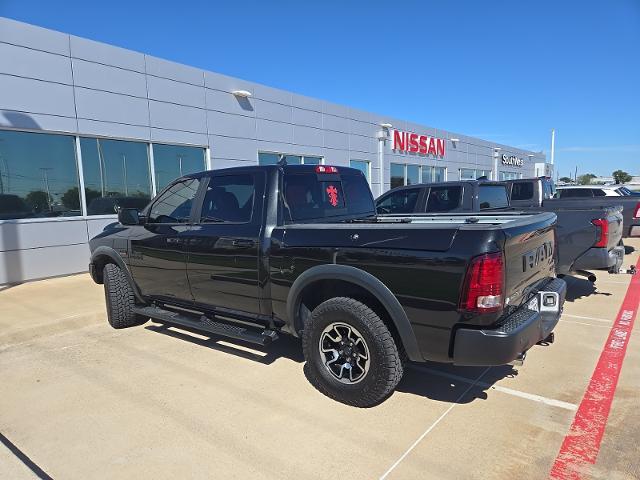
(493, 196)
(401, 201)
(229, 198)
(174, 204)
(522, 191)
(444, 199)
(574, 192)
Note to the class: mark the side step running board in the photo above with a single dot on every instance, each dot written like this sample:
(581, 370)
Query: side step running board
(205, 324)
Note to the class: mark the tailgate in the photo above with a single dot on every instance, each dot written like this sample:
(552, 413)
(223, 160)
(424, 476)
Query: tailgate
(529, 258)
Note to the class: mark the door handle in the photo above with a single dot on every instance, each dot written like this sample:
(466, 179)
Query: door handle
(243, 243)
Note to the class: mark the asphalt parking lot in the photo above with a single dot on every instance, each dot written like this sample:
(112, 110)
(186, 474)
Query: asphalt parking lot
(81, 400)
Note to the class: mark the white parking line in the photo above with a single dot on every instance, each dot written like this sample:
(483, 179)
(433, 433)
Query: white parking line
(432, 426)
(509, 391)
(588, 324)
(581, 317)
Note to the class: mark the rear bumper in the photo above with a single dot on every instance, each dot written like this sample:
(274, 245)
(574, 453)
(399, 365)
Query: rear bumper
(600, 259)
(519, 332)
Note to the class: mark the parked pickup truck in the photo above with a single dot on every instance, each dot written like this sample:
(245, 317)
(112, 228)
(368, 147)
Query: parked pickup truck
(255, 252)
(533, 192)
(588, 237)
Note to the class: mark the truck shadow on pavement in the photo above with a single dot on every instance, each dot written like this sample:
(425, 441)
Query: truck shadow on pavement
(580, 287)
(436, 381)
(450, 383)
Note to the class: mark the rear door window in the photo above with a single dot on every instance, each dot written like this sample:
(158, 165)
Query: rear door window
(597, 192)
(229, 198)
(493, 196)
(401, 201)
(444, 199)
(522, 191)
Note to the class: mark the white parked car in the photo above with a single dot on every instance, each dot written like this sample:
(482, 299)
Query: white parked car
(590, 191)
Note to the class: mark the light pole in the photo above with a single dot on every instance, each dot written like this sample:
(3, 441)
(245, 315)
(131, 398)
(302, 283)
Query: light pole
(45, 178)
(124, 174)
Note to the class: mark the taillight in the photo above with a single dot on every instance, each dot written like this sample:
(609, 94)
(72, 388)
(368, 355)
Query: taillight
(326, 169)
(603, 232)
(637, 212)
(483, 284)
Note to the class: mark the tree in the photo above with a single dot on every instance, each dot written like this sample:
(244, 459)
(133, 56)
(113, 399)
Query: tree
(586, 178)
(620, 176)
(71, 199)
(565, 179)
(38, 201)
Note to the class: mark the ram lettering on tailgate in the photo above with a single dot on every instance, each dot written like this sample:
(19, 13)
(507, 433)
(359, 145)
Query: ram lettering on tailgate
(532, 258)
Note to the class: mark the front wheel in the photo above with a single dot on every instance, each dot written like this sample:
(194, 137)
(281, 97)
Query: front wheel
(350, 353)
(120, 298)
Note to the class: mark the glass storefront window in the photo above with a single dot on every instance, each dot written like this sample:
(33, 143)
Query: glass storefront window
(312, 160)
(271, 158)
(483, 173)
(467, 174)
(116, 174)
(265, 158)
(427, 174)
(38, 176)
(361, 165)
(439, 174)
(174, 161)
(293, 159)
(397, 175)
(413, 174)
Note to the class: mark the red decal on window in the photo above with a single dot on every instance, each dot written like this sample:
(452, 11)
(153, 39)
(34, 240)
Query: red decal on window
(333, 195)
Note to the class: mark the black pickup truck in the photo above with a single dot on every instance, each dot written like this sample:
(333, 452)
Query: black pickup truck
(254, 252)
(588, 237)
(534, 192)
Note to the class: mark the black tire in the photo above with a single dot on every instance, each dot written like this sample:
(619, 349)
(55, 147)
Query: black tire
(120, 298)
(385, 368)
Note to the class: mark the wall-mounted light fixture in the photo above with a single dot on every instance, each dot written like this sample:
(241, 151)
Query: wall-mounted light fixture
(386, 125)
(242, 93)
(455, 140)
(530, 155)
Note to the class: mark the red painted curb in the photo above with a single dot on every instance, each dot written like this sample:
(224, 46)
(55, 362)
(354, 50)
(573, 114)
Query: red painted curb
(581, 445)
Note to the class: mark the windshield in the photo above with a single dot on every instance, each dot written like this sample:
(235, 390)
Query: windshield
(314, 196)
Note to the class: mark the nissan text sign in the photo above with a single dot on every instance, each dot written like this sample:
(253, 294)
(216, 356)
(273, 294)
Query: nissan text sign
(420, 144)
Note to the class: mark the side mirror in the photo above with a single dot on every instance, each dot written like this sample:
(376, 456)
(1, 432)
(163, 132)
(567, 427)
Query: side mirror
(129, 216)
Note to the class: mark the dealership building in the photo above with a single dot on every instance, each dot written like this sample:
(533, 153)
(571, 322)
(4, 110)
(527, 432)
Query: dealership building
(86, 126)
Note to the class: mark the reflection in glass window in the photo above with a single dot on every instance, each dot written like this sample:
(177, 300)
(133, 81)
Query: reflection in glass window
(361, 165)
(483, 173)
(413, 174)
(38, 176)
(397, 175)
(174, 161)
(116, 174)
(439, 174)
(427, 174)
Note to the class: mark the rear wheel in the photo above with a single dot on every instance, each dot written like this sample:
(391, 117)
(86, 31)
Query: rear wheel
(120, 298)
(350, 353)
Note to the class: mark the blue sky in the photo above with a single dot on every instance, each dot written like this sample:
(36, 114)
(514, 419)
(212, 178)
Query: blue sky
(506, 71)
